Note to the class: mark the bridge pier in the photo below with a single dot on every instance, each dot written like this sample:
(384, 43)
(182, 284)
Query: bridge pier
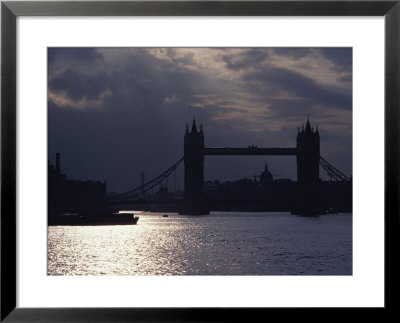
(308, 152)
(194, 199)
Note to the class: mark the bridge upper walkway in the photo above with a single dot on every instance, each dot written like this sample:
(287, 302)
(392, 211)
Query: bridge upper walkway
(252, 150)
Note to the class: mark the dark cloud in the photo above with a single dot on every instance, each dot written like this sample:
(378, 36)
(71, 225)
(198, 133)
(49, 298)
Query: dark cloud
(78, 85)
(307, 90)
(252, 57)
(342, 57)
(293, 52)
(65, 54)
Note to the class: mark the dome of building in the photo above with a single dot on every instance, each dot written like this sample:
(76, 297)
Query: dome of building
(266, 176)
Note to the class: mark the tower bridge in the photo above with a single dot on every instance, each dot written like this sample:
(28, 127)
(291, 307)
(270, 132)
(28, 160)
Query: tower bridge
(307, 152)
(308, 160)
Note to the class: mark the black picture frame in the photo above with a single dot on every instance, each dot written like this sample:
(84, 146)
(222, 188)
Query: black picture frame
(10, 10)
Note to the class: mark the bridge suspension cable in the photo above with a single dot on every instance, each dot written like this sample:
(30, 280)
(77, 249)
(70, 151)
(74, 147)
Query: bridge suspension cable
(333, 172)
(146, 187)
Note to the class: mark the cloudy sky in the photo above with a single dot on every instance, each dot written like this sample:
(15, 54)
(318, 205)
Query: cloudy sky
(115, 112)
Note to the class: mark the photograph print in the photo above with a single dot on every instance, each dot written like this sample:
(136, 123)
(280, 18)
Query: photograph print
(199, 161)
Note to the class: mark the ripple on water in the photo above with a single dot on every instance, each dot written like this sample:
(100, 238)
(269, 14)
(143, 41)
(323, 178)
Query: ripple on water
(219, 244)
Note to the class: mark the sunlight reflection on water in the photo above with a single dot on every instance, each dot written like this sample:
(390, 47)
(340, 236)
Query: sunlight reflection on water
(218, 244)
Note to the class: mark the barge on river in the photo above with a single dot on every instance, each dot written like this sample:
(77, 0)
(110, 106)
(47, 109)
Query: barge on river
(81, 219)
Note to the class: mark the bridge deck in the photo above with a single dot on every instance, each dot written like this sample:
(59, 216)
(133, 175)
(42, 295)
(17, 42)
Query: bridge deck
(250, 151)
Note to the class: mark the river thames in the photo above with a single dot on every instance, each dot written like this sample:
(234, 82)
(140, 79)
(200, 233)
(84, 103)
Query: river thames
(222, 243)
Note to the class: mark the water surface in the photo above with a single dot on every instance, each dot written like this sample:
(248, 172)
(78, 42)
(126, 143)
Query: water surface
(221, 243)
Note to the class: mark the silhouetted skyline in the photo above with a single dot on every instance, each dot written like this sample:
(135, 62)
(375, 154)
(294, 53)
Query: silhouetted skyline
(115, 112)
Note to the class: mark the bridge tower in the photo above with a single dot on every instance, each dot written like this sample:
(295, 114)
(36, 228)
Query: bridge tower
(194, 199)
(308, 154)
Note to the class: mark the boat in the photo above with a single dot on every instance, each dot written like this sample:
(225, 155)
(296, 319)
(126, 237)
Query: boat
(99, 219)
(124, 218)
(165, 215)
(331, 211)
